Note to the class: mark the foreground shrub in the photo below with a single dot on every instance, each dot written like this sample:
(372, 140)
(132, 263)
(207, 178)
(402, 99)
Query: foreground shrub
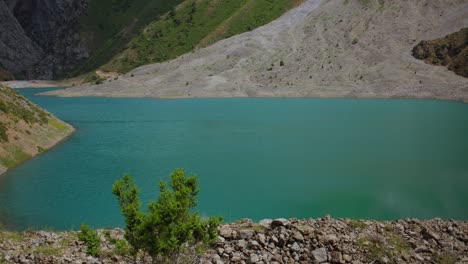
(91, 240)
(169, 224)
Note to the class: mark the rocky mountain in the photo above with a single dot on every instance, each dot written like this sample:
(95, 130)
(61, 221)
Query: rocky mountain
(40, 38)
(450, 51)
(330, 48)
(25, 129)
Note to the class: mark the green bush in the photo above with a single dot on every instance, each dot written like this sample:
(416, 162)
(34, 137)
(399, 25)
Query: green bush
(91, 240)
(121, 248)
(169, 223)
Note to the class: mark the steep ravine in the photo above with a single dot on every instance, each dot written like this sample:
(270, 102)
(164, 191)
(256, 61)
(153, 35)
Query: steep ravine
(40, 38)
(26, 130)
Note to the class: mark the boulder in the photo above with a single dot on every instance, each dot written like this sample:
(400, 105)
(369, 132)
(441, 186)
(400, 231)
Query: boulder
(320, 255)
(279, 222)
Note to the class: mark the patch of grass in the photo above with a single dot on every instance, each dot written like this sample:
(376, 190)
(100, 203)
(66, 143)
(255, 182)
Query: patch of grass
(94, 79)
(355, 41)
(57, 124)
(357, 224)
(47, 250)
(392, 247)
(15, 157)
(3, 133)
(13, 104)
(444, 259)
(194, 24)
(11, 236)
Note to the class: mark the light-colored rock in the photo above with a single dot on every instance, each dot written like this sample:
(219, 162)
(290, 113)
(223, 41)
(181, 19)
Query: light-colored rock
(320, 255)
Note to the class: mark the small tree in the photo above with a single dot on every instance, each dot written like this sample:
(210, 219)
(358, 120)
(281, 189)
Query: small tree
(91, 240)
(169, 224)
(129, 201)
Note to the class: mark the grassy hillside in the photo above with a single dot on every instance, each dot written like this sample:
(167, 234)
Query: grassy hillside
(25, 129)
(196, 23)
(110, 24)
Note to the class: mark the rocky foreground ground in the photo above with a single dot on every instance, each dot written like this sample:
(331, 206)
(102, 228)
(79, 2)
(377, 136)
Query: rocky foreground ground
(322, 240)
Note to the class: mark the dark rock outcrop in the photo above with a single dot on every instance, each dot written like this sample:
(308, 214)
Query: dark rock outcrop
(39, 39)
(450, 51)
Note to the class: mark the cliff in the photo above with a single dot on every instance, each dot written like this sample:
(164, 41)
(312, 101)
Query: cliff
(26, 130)
(40, 38)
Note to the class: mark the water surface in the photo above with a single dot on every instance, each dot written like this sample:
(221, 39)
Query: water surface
(256, 158)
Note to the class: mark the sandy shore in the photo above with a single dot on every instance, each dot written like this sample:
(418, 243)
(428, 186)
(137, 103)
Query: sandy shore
(34, 84)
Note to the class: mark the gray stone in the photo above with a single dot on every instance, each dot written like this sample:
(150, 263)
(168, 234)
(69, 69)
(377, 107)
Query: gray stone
(254, 244)
(246, 233)
(295, 247)
(298, 236)
(262, 239)
(254, 258)
(347, 258)
(320, 255)
(242, 244)
(226, 232)
(265, 223)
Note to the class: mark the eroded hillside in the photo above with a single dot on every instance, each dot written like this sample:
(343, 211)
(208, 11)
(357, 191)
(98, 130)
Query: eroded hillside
(195, 24)
(25, 129)
(320, 49)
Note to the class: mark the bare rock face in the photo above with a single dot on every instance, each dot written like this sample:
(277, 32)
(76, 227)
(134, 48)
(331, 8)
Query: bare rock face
(39, 39)
(450, 51)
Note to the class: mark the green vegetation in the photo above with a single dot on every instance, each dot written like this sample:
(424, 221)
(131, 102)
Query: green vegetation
(122, 248)
(110, 24)
(47, 250)
(390, 248)
(11, 236)
(3, 133)
(20, 108)
(15, 157)
(355, 41)
(444, 259)
(168, 225)
(91, 239)
(57, 124)
(94, 79)
(194, 24)
(357, 224)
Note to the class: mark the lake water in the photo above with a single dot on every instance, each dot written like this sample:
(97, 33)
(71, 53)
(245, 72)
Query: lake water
(255, 158)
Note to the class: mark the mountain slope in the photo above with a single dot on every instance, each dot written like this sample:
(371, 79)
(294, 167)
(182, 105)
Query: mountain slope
(195, 24)
(25, 129)
(320, 49)
(109, 25)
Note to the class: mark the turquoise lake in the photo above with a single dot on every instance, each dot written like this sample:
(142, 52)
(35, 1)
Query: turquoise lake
(255, 158)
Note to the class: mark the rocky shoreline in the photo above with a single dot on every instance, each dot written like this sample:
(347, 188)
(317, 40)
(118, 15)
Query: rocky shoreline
(323, 240)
